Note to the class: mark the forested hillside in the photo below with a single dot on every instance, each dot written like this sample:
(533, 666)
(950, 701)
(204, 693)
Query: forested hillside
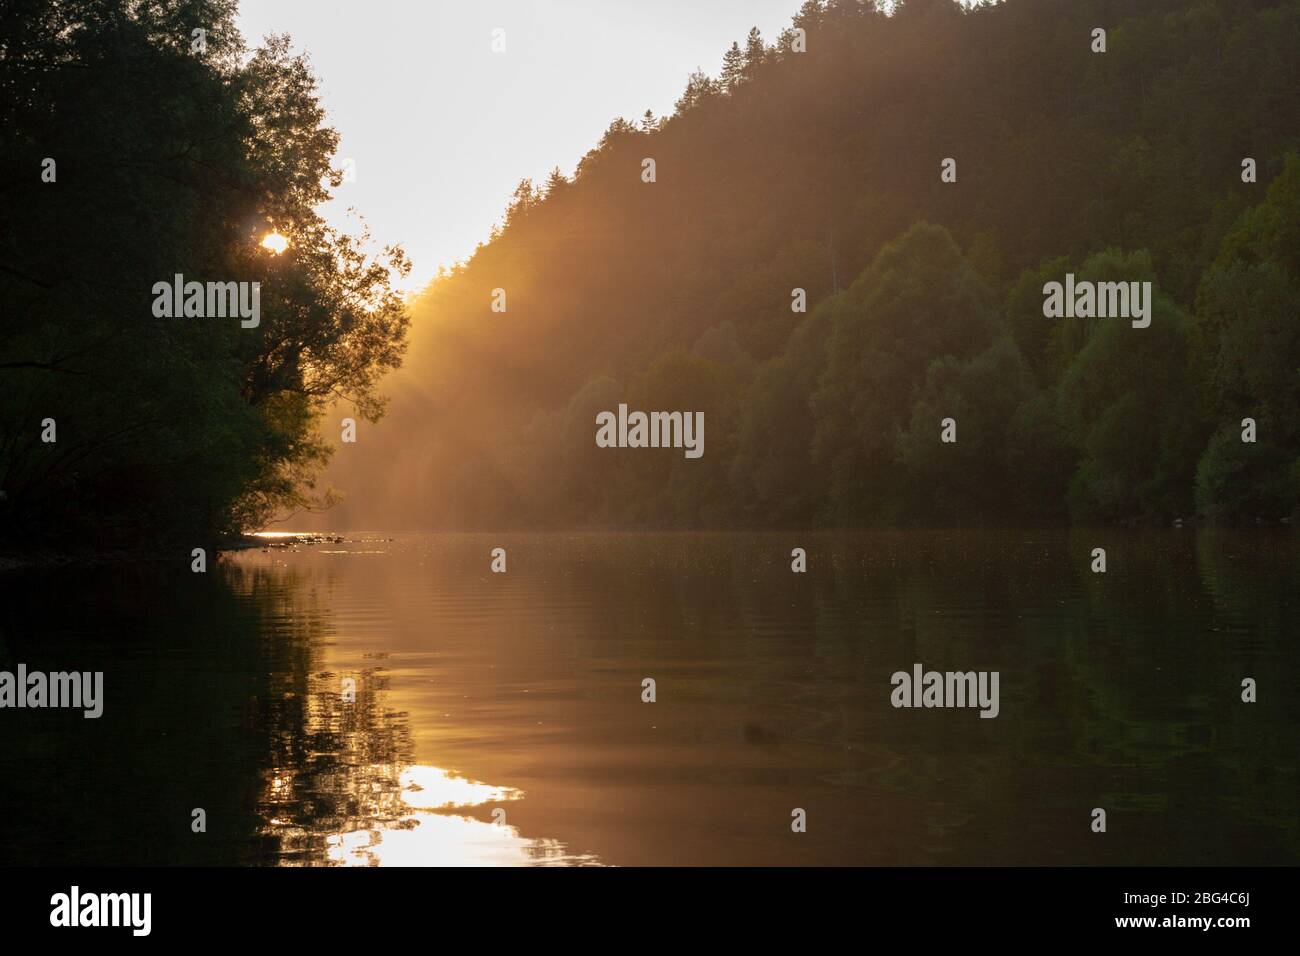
(813, 162)
(821, 170)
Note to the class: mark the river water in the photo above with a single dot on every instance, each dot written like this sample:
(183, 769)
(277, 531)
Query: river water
(388, 699)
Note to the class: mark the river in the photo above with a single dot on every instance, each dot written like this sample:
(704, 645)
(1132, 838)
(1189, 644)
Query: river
(389, 699)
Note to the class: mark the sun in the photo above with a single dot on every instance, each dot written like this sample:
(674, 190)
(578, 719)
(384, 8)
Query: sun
(275, 242)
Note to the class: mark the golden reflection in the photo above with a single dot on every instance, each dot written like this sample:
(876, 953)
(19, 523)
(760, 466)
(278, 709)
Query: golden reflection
(429, 788)
(344, 790)
(426, 838)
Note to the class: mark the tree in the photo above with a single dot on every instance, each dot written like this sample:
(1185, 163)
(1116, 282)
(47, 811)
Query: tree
(522, 200)
(171, 426)
(773, 472)
(1126, 401)
(1246, 349)
(733, 68)
(756, 53)
(918, 301)
(555, 183)
(699, 86)
(964, 480)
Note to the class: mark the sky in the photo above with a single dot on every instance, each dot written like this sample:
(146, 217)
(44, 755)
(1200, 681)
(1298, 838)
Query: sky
(440, 129)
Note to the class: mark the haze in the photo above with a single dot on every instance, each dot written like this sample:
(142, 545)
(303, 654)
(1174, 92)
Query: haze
(441, 129)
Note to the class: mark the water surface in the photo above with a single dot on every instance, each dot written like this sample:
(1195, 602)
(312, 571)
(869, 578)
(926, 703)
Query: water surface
(387, 699)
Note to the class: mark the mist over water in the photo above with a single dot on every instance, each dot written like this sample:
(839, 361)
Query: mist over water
(521, 692)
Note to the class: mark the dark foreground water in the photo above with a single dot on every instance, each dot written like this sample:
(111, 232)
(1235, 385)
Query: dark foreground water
(498, 718)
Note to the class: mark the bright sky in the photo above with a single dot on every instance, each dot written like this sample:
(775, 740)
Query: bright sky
(441, 129)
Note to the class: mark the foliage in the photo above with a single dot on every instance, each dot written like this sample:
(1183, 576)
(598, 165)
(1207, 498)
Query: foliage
(170, 160)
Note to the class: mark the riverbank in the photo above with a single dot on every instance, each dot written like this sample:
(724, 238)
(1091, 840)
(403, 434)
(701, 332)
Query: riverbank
(47, 557)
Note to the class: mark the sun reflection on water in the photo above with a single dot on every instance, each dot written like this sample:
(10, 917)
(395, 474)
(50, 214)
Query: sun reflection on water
(425, 838)
(346, 791)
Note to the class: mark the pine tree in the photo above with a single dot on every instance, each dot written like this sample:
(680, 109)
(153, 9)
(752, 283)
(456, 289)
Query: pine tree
(733, 67)
(809, 15)
(699, 85)
(522, 199)
(755, 53)
(555, 182)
